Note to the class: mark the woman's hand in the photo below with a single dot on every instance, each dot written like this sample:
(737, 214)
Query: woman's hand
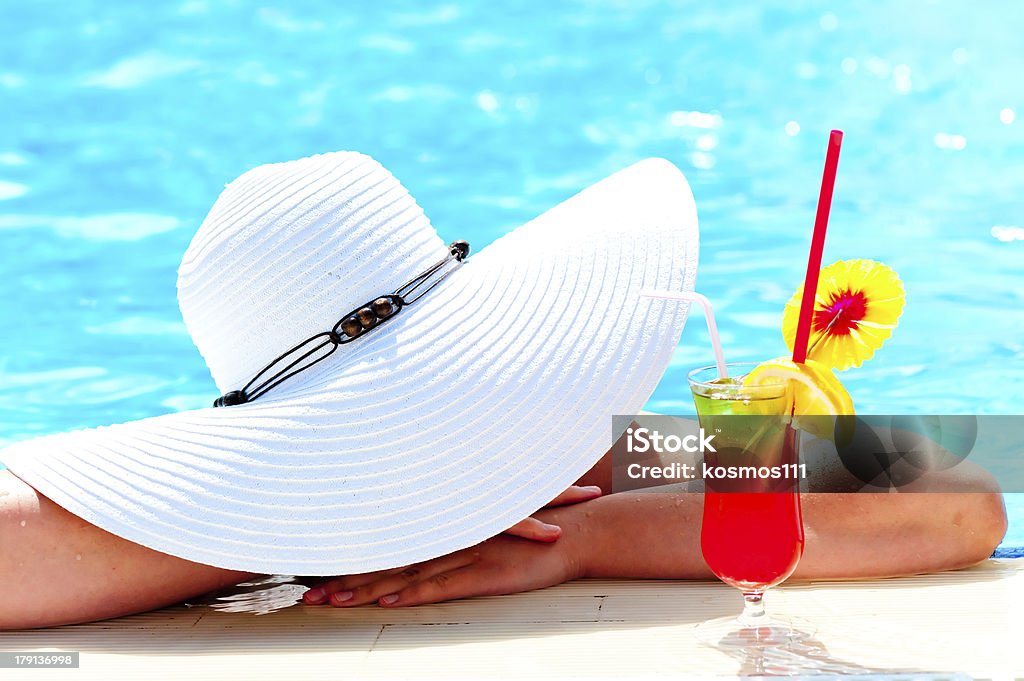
(524, 557)
(499, 565)
(537, 530)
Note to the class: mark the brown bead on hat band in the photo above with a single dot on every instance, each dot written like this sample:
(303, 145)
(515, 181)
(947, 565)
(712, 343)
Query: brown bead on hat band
(353, 325)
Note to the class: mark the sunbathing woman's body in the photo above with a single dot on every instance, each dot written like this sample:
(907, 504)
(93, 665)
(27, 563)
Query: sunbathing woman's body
(60, 569)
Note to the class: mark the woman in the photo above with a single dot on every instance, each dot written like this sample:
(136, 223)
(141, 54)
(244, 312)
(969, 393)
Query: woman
(67, 570)
(459, 398)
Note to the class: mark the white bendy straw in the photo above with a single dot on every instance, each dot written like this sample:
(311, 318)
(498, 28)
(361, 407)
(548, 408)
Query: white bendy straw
(709, 316)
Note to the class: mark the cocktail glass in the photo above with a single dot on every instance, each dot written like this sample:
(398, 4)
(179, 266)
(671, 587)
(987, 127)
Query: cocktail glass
(752, 531)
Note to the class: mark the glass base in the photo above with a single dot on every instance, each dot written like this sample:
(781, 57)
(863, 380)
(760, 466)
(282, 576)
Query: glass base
(734, 632)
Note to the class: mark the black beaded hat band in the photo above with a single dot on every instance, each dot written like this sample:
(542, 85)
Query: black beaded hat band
(351, 326)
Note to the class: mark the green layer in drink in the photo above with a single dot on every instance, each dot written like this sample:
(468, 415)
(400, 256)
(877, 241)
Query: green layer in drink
(744, 417)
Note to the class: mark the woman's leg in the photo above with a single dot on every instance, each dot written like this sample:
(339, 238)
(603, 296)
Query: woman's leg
(58, 569)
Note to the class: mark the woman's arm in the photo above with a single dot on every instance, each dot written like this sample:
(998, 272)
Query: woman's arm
(846, 535)
(944, 520)
(59, 569)
(657, 535)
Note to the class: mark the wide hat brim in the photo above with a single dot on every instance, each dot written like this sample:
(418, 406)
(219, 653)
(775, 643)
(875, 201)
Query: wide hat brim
(480, 404)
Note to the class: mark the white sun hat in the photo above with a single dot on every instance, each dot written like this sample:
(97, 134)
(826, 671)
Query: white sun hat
(454, 416)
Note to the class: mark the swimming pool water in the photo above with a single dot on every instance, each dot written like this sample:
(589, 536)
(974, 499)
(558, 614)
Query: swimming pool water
(121, 122)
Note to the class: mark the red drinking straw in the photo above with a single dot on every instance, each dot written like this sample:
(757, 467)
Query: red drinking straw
(828, 182)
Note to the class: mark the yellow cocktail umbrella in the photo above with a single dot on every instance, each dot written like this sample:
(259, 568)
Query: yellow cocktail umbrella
(857, 305)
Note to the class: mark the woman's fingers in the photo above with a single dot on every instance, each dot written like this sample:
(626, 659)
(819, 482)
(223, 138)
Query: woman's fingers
(319, 593)
(575, 494)
(369, 592)
(535, 530)
(466, 581)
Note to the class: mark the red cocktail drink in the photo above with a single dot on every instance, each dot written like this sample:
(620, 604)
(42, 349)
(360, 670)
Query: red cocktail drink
(752, 533)
(753, 540)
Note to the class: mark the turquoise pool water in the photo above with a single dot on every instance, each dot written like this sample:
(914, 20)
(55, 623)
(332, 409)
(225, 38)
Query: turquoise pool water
(120, 123)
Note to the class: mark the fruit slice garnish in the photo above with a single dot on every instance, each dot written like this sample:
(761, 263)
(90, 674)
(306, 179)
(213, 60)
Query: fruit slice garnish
(814, 390)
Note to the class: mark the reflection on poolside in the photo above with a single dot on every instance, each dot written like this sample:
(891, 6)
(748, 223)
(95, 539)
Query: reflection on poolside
(804, 656)
(800, 655)
(258, 597)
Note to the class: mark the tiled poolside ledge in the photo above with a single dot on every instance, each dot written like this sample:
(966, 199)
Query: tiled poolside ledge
(951, 622)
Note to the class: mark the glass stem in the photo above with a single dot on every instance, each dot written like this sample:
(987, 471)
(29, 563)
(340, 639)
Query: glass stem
(753, 609)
